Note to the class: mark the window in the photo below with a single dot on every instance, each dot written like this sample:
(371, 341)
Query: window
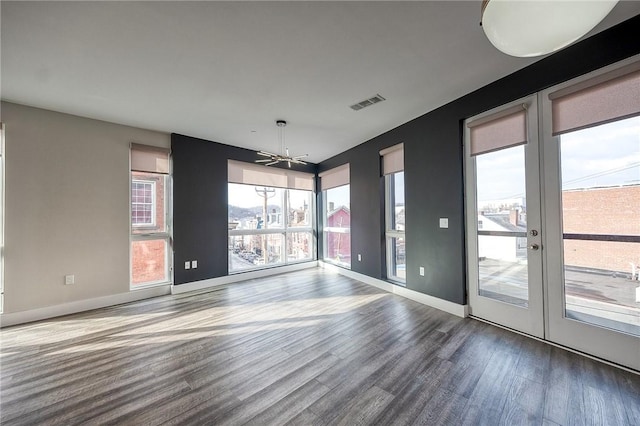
(393, 170)
(143, 203)
(270, 217)
(150, 216)
(336, 218)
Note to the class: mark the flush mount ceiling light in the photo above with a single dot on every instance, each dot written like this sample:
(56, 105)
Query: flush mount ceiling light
(284, 156)
(527, 28)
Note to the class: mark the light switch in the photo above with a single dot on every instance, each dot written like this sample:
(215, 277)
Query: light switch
(69, 279)
(187, 265)
(422, 271)
(194, 264)
(444, 222)
(359, 257)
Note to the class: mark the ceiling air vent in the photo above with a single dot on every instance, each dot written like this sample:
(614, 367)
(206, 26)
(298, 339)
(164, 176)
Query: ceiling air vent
(367, 102)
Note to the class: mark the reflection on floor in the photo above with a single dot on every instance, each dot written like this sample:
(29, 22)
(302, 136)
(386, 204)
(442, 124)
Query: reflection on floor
(305, 348)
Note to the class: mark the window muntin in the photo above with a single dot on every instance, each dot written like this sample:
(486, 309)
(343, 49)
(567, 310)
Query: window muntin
(143, 203)
(268, 226)
(337, 226)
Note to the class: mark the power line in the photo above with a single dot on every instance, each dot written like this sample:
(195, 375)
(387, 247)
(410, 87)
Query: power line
(587, 177)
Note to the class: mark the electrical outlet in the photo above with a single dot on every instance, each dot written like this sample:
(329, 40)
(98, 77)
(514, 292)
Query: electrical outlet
(422, 271)
(194, 264)
(444, 222)
(187, 265)
(359, 257)
(69, 279)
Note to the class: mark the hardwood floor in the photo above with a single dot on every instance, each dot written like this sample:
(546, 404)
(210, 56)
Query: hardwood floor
(305, 348)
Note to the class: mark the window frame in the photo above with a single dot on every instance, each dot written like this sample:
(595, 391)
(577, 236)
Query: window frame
(285, 231)
(392, 233)
(326, 230)
(152, 224)
(148, 233)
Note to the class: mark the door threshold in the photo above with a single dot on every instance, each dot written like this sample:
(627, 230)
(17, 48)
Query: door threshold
(566, 348)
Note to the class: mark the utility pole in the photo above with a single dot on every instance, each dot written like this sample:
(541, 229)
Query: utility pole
(265, 193)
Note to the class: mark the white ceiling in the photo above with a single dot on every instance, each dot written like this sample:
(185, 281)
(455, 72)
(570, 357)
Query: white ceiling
(225, 71)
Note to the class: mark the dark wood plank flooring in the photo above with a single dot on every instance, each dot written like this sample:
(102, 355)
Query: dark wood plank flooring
(305, 348)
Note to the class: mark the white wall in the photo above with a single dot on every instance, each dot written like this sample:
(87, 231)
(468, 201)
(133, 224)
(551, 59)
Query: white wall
(67, 206)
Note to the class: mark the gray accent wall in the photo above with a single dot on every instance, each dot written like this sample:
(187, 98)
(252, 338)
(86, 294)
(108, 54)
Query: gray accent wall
(434, 167)
(200, 205)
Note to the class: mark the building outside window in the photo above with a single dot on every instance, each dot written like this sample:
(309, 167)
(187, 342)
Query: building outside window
(150, 216)
(270, 217)
(143, 203)
(393, 171)
(336, 218)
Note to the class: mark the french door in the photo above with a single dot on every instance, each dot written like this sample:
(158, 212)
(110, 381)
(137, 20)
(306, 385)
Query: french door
(591, 169)
(503, 217)
(576, 280)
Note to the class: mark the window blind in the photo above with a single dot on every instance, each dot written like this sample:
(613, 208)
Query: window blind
(253, 174)
(152, 159)
(603, 99)
(392, 159)
(504, 129)
(335, 177)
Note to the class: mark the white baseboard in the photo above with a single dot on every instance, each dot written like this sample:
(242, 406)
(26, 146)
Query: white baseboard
(22, 317)
(425, 299)
(214, 282)
(38, 314)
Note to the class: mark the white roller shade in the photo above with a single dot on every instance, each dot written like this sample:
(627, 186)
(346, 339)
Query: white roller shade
(334, 177)
(498, 131)
(146, 158)
(392, 159)
(253, 174)
(603, 99)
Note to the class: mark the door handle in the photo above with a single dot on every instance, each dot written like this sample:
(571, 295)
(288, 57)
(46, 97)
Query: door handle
(534, 247)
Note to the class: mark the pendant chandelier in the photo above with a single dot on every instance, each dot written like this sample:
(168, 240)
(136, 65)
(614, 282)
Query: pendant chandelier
(284, 152)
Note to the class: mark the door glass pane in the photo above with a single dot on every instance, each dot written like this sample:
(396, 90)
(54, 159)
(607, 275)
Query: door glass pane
(502, 225)
(149, 262)
(600, 169)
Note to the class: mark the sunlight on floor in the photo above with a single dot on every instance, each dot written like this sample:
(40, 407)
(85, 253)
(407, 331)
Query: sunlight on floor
(219, 321)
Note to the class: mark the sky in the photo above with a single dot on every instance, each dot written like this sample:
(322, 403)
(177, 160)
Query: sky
(246, 196)
(605, 155)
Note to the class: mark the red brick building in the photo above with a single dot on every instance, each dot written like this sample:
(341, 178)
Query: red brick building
(608, 211)
(339, 243)
(148, 214)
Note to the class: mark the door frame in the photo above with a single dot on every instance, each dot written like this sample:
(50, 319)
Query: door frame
(526, 320)
(613, 346)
